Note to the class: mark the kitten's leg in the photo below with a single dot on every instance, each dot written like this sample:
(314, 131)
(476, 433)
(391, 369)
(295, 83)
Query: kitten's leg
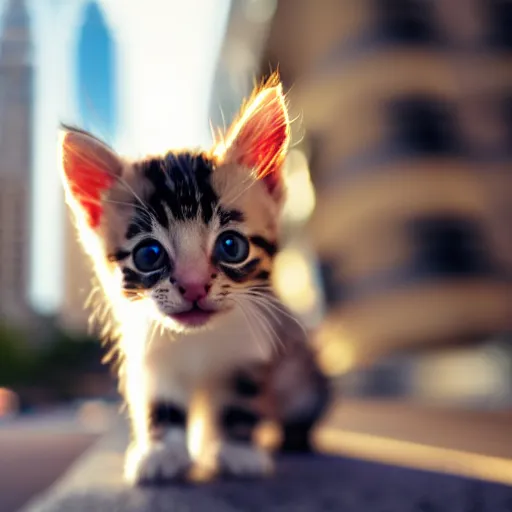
(301, 394)
(238, 414)
(159, 417)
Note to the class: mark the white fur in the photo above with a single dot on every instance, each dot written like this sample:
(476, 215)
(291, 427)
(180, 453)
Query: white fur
(161, 460)
(173, 367)
(192, 357)
(237, 459)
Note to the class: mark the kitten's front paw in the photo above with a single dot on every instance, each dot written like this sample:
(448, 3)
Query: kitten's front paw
(240, 459)
(159, 462)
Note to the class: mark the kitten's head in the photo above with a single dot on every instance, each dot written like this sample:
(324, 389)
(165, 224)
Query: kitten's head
(192, 233)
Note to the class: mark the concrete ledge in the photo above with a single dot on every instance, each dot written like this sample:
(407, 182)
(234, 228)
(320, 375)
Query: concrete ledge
(303, 483)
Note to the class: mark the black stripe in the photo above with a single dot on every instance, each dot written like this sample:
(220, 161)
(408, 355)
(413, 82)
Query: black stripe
(240, 274)
(133, 230)
(227, 216)
(269, 247)
(134, 281)
(264, 275)
(246, 386)
(166, 414)
(181, 182)
(181, 185)
(141, 223)
(238, 424)
(119, 255)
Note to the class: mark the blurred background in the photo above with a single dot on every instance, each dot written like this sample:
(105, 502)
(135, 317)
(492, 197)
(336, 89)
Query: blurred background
(398, 227)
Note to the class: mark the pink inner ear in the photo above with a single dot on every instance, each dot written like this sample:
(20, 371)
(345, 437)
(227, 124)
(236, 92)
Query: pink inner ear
(87, 181)
(266, 155)
(262, 136)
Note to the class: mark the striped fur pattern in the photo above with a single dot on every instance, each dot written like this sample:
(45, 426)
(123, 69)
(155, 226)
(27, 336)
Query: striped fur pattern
(183, 246)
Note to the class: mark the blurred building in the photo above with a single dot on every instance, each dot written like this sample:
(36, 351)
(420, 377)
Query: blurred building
(16, 106)
(404, 108)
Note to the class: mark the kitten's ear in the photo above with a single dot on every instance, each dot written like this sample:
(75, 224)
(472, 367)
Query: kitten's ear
(259, 139)
(89, 169)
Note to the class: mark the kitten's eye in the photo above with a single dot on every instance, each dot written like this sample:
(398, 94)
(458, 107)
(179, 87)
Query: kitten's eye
(149, 256)
(231, 247)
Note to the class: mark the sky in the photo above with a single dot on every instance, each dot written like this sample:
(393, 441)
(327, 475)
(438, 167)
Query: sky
(146, 87)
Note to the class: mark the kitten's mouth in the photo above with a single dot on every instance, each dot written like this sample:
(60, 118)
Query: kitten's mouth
(194, 317)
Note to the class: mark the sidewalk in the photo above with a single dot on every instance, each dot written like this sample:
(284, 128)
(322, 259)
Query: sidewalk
(320, 483)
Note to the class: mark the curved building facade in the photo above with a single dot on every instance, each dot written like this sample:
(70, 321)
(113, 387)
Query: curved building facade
(405, 110)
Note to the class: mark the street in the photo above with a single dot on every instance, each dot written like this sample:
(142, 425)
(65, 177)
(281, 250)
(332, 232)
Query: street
(375, 457)
(35, 449)
(31, 461)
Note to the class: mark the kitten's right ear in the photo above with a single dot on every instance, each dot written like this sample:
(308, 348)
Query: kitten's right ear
(90, 168)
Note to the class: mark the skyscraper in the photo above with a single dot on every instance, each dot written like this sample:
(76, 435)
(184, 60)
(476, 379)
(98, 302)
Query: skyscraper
(95, 68)
(95, 91)
(16, 104)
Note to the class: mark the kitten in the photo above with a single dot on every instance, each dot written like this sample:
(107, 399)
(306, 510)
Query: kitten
(182, 245)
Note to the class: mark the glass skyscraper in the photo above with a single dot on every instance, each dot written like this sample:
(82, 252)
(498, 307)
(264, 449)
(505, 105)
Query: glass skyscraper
(95, 93)
(96, 84)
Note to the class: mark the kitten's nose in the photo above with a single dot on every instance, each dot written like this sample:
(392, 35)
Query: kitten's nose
(194, 290)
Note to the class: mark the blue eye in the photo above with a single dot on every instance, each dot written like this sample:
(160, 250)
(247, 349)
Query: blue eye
(231, 247)
(149, 256)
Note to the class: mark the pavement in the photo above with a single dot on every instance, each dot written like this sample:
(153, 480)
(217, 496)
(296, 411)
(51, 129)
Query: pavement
(29, 464)
(37, 448)
(373, 457)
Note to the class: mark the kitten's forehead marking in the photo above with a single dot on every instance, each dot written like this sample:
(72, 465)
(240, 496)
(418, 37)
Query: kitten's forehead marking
(178, 188)
(182, 184)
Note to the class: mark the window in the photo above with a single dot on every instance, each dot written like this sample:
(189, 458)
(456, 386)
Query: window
(332, 287)
(500, 22)
(507, 117)
(406, 21)
(423, 125)
(449, 246)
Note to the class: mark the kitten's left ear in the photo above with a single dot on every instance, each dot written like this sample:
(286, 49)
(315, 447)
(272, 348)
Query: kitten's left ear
(260, 138)
(90, 168)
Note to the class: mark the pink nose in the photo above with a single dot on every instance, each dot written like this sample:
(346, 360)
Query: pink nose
(194, 290)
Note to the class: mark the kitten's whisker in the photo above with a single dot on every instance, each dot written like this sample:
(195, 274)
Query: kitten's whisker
(247, 313)
(99, 202)
(125, 203)
(271, 331)
(266, 308)
(251, 179)
(263, 321)
(248, 320)
(269, 307)
(262, 326)
(274, 303)
(121, 180)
